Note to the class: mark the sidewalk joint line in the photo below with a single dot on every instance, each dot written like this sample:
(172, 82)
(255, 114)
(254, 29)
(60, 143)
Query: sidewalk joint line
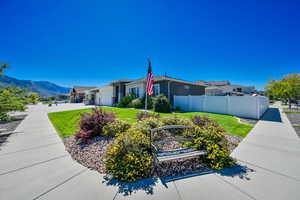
(32, 148)
(236, 187)
(65, 181)
(32, 165)
(272, 171)
(180, 197)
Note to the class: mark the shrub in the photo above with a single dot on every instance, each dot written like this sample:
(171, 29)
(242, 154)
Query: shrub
(144, 115)
(212, 138)
(176, 120)
(11, 99)
(161, 104)
(137, 103)
(92, 124)
(125, 101)
(128, 159)
(201, 121)
(116, 127)
(146, 124)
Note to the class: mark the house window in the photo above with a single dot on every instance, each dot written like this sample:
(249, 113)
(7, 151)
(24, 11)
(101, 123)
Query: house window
(156, 90)
(135, 91)
(186, 87)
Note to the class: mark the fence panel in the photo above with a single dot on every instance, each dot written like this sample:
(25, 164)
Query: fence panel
(242, 106)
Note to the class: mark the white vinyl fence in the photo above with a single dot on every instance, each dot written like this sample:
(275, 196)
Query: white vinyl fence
(241, 106)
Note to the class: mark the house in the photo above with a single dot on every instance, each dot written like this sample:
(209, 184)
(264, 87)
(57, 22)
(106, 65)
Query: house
(77, 93)
(111, 94)
(101, 96)
(221, 88)
(165, 85)
(119, 89)
(236, 90)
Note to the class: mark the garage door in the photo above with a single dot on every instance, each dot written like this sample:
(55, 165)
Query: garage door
(106, 94)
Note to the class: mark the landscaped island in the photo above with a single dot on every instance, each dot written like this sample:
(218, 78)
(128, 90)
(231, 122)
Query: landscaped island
(116, 140)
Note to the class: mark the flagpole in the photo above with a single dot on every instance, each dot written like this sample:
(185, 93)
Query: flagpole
(146, 101)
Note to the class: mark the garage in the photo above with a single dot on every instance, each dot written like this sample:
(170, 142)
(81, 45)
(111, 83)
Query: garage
(104, 96)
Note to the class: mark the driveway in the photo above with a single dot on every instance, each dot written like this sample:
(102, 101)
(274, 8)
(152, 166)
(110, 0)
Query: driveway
(34, 165)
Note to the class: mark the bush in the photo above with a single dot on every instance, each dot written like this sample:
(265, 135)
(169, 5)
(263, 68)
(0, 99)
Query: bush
(144, 115)
(11, 99)
(128, 159)
(146, 124)
(212, 138)
(201, 121)
(92, 124)
(125, 101)
(137, 103)
(115, 128)
(161, 104)
(176, 120)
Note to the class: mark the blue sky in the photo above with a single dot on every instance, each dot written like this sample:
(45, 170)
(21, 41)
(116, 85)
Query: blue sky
(92, 42)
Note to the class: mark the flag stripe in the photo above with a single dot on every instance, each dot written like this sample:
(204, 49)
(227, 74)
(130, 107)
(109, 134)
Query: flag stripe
(150, 81)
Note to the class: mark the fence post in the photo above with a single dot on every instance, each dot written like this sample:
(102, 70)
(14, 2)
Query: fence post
(257, 108)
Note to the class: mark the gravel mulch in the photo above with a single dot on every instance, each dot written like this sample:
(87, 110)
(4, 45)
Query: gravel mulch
(233, 141)
(91, 154)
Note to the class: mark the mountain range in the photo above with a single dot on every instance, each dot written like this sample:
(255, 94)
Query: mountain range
(43, 88)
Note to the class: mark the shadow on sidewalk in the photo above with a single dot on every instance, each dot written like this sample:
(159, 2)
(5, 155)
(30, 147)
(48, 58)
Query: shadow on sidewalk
(272, 114)
(147, 185)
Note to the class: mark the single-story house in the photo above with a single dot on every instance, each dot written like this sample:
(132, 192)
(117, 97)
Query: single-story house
(237, 90)
(101, 96)
(77, 93)
(111, 94)
(165, 85)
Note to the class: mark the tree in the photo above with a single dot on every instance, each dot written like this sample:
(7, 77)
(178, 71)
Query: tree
(11, 99)
(2, 67)
(33, 98)
(288, 87)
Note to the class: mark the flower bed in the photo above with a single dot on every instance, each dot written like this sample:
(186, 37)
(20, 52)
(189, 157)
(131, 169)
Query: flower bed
(115, 147)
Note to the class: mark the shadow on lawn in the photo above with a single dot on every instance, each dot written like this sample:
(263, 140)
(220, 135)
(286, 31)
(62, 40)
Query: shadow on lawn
(147, 185)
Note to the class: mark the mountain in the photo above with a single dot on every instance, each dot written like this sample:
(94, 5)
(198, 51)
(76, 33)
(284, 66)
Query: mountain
(43, 88)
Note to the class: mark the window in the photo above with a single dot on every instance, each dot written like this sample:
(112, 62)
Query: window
(156, 89)
(186, 87)
(135, 91)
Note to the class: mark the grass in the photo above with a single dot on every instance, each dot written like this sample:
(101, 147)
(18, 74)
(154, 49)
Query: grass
(66, 122)
(291, 112)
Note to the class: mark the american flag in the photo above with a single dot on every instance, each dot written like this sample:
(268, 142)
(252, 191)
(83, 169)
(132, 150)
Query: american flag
(150, 80)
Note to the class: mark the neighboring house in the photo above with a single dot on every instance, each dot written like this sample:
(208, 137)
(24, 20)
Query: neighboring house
(221, 88)
(230, 90)
(101, 96)
(77, 93)
(165, 85)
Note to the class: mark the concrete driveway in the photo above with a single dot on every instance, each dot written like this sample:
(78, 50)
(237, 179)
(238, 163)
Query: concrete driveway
(34, 165)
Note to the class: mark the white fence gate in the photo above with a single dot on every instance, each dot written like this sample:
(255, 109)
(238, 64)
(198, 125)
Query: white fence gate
(241, 106)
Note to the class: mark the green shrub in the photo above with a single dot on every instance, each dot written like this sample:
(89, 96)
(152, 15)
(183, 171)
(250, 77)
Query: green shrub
(128, 159)
(137, 103)
(144, 115)
(212, 138)
(176, 120)
(146, 124)
(125, 101)
(161, 104)
(116, 127)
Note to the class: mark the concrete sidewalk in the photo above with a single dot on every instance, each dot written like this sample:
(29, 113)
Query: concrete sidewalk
(34, 165)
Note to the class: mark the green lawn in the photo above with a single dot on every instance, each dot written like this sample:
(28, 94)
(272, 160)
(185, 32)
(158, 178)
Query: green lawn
(66, 122)
(291, 112)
